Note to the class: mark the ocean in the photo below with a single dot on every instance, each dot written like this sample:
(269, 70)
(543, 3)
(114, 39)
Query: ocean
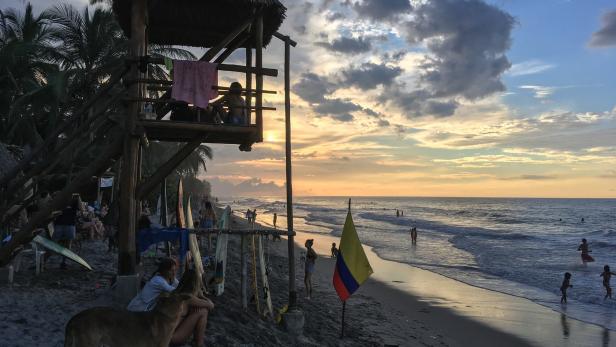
(521, 247)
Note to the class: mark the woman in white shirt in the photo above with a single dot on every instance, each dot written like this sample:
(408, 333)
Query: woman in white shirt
(194, 317)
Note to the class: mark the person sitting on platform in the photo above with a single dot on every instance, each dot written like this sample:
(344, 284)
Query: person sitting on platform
(236, 113)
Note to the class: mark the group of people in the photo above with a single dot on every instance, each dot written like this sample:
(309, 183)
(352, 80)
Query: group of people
(251, 216)
(586, 258)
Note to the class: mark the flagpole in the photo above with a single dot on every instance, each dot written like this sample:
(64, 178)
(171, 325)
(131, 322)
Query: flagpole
(344, 302)
(342, 329)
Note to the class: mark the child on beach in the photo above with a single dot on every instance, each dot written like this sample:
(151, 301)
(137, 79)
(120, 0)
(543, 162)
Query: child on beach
(311, 257)
(563, 288)
(585, 256)
(607, 274)
(334, 250)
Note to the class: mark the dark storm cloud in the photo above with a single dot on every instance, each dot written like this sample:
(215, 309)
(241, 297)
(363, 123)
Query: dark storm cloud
(348, 45)
(417, 103)
(345, 117)
(313, 88)
(606, 36)
(381, 9)
(467, 39)
(369, 75)
(336, 106)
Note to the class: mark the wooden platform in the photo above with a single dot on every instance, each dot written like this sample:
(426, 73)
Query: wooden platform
(175, 131)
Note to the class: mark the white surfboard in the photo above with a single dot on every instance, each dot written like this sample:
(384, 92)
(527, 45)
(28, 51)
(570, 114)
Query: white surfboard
(193, 244)
(266, 294)
(221, 252)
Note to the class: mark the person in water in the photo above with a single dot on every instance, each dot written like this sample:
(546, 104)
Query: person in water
(563, 288)
(585, 256)
(311, 257)
(607, 275)
(413, 235)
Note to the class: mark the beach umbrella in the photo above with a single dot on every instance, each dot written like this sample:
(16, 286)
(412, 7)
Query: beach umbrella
(352, 265)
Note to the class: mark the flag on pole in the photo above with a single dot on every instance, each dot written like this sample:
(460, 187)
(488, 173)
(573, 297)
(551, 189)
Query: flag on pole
(352, 266)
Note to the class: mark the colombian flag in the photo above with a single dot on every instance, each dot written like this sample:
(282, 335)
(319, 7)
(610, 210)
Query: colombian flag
(352, 266)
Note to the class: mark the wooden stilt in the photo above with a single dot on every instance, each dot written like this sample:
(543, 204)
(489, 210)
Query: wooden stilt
(244, 271)
(259, 76)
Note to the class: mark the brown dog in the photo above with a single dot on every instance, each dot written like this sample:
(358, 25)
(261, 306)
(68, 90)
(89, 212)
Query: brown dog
(106, 326)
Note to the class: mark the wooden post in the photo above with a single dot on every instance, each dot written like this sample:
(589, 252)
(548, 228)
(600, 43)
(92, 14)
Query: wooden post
(128, 202)
(249, 83)
(259, 76)
(244, 271)
(287, 121)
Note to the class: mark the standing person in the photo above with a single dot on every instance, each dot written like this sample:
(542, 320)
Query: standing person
(248, 214)
(563, 287)
(275, 219)
(397, 213)
(607, 275)
(311, 257)
(334, 250)
(64, 226)
(585, 256)
(413, 235)
(254, 216)
(208, 216)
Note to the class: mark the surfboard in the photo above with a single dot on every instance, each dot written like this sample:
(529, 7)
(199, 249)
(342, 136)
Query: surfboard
(267, 311)
(65, 252)
(193, 244)
(221, 252)
(255, 284)
(179, 211)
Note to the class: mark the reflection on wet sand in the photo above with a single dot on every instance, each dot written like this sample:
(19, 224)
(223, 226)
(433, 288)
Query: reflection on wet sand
(565, 325)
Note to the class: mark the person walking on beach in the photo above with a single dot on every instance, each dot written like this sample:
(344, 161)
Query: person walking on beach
(585, 256)
(397, 213)
(334, 250)
(311, 257)
(607, 275)
(414, 235)
(563, 287)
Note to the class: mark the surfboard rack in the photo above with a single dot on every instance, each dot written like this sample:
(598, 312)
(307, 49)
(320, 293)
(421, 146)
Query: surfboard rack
(200, 231)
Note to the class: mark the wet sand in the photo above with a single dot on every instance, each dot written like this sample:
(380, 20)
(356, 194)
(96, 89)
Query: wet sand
(464, 314)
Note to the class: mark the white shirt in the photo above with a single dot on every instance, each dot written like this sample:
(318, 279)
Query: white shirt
(146, 299)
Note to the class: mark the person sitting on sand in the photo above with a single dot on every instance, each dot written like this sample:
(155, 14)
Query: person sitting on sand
(311, 257)
(194, 316)
(334, 250)
(563, 287)
(607, 275)
(585, 256)
(236, 105)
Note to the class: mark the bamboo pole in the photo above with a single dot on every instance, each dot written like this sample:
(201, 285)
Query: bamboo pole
(249, 89)
(289, 174)
(128, 202)
(259, 76)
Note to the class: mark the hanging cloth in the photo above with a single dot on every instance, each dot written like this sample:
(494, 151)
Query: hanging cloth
(193, 81)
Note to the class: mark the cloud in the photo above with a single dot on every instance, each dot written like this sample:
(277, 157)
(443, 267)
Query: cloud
(529, 67)
(529, 178)
(348, 45)
(249, 187)
(540, 92)
(335, 106)
(606, 36)
(467, 41)
(313, 88)
(417, 103)
(370, 75)
(381, 10)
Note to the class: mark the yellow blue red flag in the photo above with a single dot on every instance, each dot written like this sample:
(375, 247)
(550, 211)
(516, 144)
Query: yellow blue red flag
(352, 266)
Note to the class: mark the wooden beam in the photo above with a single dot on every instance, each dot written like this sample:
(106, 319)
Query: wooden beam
(99, 165)
(232, 49)
(128, 178)
(164, 170)
(249, 81)
(259, 77)
(285, 38)
(212, 52)
(221, 90)
(289, 174)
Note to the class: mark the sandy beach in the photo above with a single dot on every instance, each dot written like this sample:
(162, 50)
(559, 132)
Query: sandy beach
(400, 305)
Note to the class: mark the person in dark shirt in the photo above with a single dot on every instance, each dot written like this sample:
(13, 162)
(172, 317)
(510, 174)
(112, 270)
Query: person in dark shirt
(64, 226)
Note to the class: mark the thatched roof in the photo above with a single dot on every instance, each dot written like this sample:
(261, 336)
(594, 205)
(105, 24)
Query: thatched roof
(201, 23)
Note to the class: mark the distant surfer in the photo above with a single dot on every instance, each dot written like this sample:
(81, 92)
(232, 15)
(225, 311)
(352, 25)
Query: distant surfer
(563, 288)
(586, 258)
(607, 275)
(582, 219)
(414, 235)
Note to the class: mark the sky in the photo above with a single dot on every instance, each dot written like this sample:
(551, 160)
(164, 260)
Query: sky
(501, 98)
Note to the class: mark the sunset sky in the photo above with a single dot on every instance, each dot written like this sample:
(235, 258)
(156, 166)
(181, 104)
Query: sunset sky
(437, 98)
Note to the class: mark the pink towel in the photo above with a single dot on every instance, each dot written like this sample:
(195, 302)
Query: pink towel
(193, 81)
